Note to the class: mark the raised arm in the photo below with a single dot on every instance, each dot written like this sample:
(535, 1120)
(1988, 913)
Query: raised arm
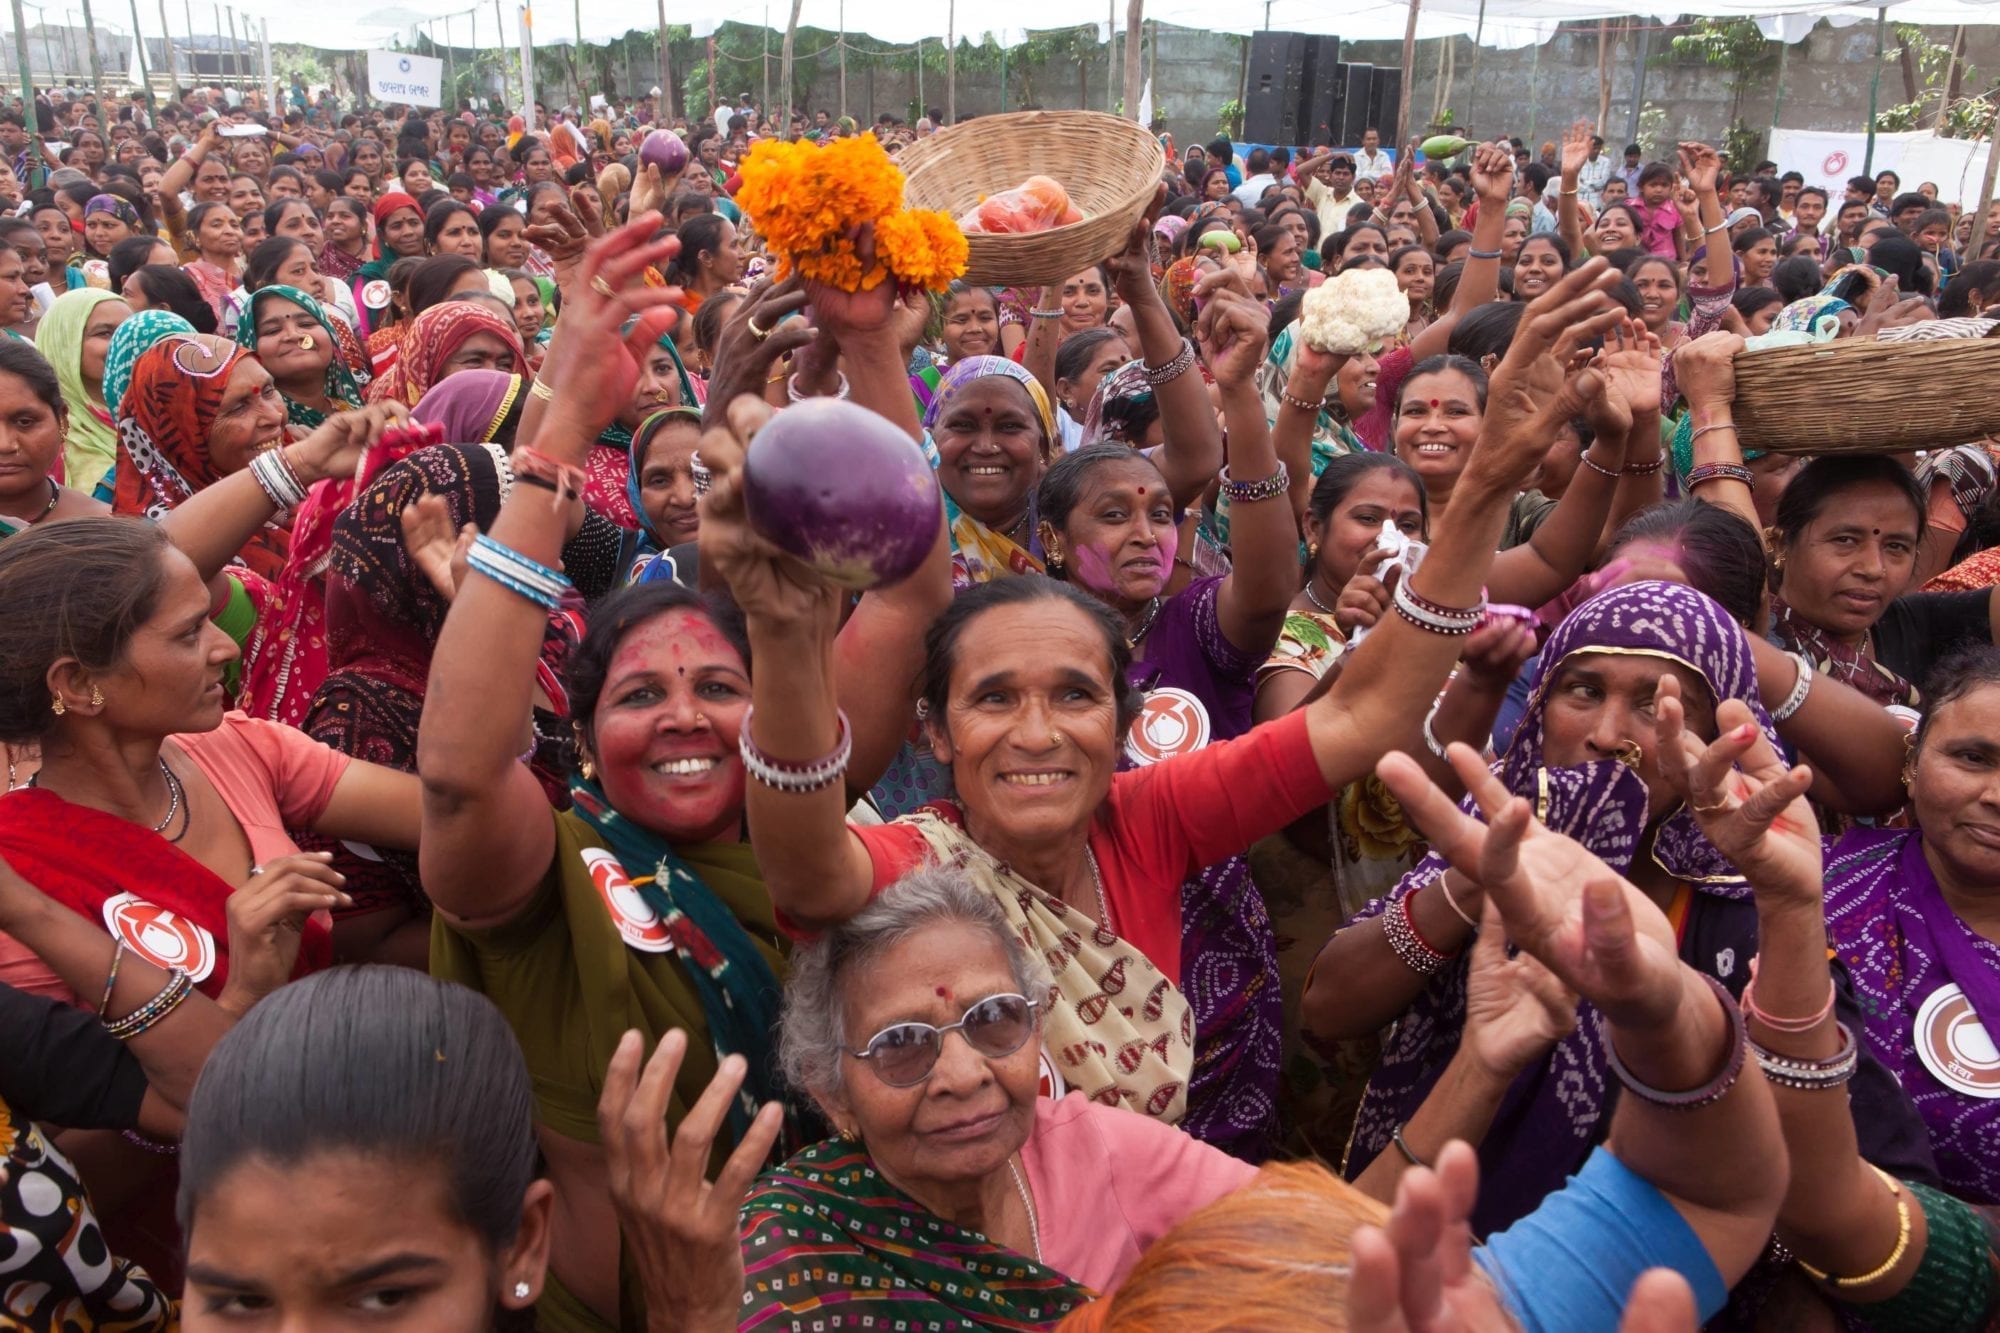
(1575, 152)
(1398, 669)
(1672, 1032)
(1703, 168)
(1838, 1215)
(1044, 339)
(179, 174)
(1427, 223)
(1493, 181)
(1191, 451)
(488, 833)
(1263, 536)
(1706, 371)
(1855, 746)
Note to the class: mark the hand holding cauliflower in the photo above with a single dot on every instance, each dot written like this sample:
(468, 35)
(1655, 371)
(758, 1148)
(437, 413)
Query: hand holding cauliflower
(1353, 311)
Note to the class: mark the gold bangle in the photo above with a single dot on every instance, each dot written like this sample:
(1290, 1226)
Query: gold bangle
(1888, 1265)
(540, 389)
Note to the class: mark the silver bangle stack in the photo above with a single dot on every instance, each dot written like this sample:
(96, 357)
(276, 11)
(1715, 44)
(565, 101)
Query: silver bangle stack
(796, 779)
(1045, 314)
(1273, 487)
(702, 476)
(1791, 1071)
(1173, 370)
(1400, 929)
(792, 390)
(274, 475)
(178, 986)
(1800, 689)
(1425, 614)
(517, 573)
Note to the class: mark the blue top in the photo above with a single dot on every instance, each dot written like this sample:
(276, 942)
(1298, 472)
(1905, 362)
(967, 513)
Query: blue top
(1568, 1266)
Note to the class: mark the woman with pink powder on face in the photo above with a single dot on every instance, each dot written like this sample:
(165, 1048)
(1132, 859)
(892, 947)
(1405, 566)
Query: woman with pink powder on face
(1108, 525)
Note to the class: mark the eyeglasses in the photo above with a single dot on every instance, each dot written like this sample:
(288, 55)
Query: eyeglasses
(904, 1054)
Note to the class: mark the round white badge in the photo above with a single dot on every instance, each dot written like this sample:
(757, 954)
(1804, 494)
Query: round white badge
(1955, 1046)
(638, 924)
(1171, 723)
(162, 938)
(375, 295)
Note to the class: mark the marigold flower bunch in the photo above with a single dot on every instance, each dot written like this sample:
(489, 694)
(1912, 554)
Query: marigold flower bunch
(807, 202)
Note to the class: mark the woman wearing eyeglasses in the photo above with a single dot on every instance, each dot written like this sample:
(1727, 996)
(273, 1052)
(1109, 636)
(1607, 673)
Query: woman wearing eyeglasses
(953, 1195)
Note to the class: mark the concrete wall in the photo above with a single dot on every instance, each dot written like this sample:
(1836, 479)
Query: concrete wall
(1525, 92)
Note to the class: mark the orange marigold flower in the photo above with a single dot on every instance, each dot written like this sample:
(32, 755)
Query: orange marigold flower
(923, 247)
(809, 202)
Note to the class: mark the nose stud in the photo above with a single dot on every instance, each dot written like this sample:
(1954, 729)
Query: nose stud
(306, 343)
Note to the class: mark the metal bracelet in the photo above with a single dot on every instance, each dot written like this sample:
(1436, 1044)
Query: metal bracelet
(1693, 1099)
(792, 389)
(1430, 617)
(1273, 487)
(1172, 370)
(796, 779)
(1401, 931)
(1045, 314)
(1792, 1071)
(1800, 689)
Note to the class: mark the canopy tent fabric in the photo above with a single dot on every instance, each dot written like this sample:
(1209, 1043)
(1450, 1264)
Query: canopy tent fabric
(1507, 23)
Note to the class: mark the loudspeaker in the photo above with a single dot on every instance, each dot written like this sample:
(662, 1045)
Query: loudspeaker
(1324, 89)
(1385, 97)
(1357, 88)
(1278, 74)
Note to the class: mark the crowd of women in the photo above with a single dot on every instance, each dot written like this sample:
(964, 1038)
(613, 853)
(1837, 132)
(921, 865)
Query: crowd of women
(1434, 837)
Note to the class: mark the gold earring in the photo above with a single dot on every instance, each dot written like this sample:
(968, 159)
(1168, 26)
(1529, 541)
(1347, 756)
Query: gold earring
(1054, 559)
(588, 770)
(57, 706)
(96, 697)
(1312, 550)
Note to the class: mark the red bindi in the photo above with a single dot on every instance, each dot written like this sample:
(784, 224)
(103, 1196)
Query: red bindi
(1142, 491)
(1436, 403)
(943, 994)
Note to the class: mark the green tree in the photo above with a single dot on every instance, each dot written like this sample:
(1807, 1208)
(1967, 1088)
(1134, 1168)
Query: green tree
(1730, 44)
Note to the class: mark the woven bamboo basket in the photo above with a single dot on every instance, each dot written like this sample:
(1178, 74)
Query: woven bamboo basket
(1111, 168)
(1860, 396)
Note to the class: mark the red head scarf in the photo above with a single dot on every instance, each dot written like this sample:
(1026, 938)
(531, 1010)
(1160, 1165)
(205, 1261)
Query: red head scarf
(386, 205)
(433, 337)
(167, 414)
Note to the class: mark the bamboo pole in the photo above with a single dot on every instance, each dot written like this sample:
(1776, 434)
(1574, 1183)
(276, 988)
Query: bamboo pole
(1875, 90)
(145, 79)
(1135, 15)
(1478, 44)
(791, 38)
(1409, 77)
(1985, 199)
(96, 65)
(663, 111)
(951, 62)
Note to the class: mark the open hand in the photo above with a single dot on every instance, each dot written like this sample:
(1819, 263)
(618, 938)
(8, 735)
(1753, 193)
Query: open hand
(681, 1231)
(1515, 1008)
(434, 548)
(267, 915)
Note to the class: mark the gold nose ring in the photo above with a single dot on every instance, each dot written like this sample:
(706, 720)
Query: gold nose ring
(306, 343)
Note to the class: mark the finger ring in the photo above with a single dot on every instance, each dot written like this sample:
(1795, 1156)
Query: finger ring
(601, 287)
(759, 334)
(255, 871)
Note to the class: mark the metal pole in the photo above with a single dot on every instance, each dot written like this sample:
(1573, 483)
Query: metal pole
(951, 62)
(96, 65)
(1778, 104)
(765, 64)
(1111, 61)
(500, 40)
(922, 110)
(1003, 80)
(270, 73)
(235, 47)
(1875, 91)
(450, 99)
(1638, 81)
(167, 42)
(35, 172)
(840, 44)
(1478, 40)
(1534, 78)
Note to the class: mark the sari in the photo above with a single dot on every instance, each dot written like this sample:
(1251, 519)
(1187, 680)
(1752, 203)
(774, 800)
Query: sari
(980, 554)
(1555, 1111)
(645, 542)
(829, 1242)
(128, 341)
(1844, 662)
(431, 340)
(1121, 408)
(472, 406)
(163, 427)
(215, 284)
(339, 265)
(115, 873)
(90, 446)
(343, 388)
(1929, 989)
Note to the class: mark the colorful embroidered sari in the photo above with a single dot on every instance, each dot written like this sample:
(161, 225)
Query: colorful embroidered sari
(431, 340)
(980, 554)
(1927, 985)
(829, 1243)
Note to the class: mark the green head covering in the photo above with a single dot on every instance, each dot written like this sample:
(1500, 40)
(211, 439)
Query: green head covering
(341, 386)
(90, 446)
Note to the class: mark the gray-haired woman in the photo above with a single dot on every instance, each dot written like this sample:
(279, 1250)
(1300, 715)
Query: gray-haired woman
(954, 1191)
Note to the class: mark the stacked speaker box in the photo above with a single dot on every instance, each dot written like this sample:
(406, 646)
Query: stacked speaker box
(1385, 97)
(1290, 73)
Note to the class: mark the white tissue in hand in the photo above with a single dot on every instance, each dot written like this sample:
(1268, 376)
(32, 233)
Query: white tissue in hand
(1353, 311)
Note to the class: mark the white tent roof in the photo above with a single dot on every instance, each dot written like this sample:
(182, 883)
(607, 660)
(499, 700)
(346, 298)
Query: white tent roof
(1508, 23)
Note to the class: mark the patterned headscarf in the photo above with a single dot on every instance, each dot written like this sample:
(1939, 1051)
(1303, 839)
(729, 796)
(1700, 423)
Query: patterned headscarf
(1816, 316)
(163, 429)
(341, 383)
(1122, 407)
(117, 208)
(432, 338)
(978, 368)
(128, 341)
(470, 405)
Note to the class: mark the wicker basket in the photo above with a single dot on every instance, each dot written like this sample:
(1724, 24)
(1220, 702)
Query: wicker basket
(1111, 168)
(1860, 396)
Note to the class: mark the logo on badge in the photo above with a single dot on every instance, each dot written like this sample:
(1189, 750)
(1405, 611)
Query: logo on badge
(1955, 1046)
(1172, 722)
(375, 295)
(1836, 162)
(638, 924)
(162, 938)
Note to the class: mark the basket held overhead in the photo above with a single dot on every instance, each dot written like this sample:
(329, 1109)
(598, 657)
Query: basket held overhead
(1829, 398)
(1110, 166)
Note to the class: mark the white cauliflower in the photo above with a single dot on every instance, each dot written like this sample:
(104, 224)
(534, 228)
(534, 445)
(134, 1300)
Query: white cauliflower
(1353, 311)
